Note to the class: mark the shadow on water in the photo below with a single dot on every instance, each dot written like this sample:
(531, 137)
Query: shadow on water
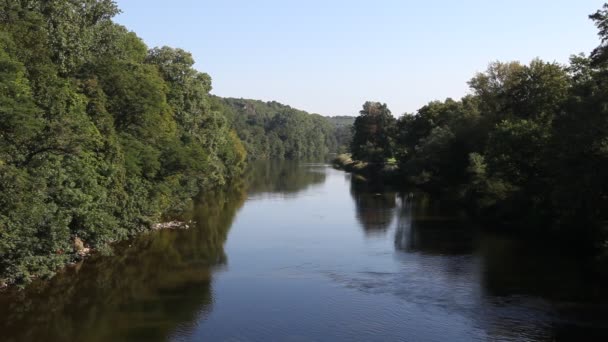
(508, 265)
(511, 289)
(153, 286)
(429, 226)
(513, 271)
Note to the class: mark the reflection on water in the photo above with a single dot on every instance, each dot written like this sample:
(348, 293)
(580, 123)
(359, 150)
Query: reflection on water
(301, 252)
(424, 225)
(282, 178)
(375, 206)
(511, 289)
(153, 285)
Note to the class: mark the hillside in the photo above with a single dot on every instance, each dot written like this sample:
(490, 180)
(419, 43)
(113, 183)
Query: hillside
(271, 130)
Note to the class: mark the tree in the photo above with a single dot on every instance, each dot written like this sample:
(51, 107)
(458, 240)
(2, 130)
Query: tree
(600, 54)
(373, 133)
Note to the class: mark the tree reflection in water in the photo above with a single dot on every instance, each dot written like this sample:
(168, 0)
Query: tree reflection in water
(430, 226)
(152, 286)
(283, 178)
(375, 206)
(496, 278)
(156, 285)
(429, 261)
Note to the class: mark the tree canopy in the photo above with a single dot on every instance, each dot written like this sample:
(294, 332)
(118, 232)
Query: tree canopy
(373, 133)
(99, 135)
(270, 130)
(528, 146)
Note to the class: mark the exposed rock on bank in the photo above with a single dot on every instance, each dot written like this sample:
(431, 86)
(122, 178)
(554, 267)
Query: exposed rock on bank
(80, 248)
(171, 225)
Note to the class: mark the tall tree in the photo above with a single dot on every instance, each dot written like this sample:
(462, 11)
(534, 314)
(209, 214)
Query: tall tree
(373, 133)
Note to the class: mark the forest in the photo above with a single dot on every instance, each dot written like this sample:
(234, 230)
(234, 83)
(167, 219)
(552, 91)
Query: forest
(101, 136)
(270, 130)
(527, 148)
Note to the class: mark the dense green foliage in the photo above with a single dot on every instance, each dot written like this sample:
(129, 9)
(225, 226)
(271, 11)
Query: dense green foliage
(529, 145)
(99, 135)
(270, 130)
(373, 133)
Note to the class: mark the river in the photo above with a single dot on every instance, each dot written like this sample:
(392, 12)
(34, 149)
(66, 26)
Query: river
(302, 252)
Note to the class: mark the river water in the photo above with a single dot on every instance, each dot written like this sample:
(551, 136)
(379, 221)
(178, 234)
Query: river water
(302, 252)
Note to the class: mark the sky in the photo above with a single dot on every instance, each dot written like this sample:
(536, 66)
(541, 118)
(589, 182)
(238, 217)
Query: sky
(331, 56)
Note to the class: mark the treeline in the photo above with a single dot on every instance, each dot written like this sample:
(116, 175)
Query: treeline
(270, 130)
(99, 135)
(528, 146)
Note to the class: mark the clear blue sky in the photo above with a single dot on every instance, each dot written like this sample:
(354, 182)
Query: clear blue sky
(330, 56)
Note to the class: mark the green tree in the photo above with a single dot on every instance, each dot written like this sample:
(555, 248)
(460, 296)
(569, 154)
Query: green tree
(600, 54)
(99, 137)
(373, 133)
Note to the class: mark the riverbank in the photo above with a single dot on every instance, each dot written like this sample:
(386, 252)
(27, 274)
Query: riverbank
(386, 172)
(81, 250)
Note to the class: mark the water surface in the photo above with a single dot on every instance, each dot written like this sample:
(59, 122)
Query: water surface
(301, 252)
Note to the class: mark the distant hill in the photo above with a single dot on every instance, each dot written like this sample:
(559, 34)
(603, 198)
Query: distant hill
(343, 131)
(271, 130)
(342, 120)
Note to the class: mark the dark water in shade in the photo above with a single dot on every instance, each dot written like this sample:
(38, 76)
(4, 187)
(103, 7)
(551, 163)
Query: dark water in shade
(302, 253)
